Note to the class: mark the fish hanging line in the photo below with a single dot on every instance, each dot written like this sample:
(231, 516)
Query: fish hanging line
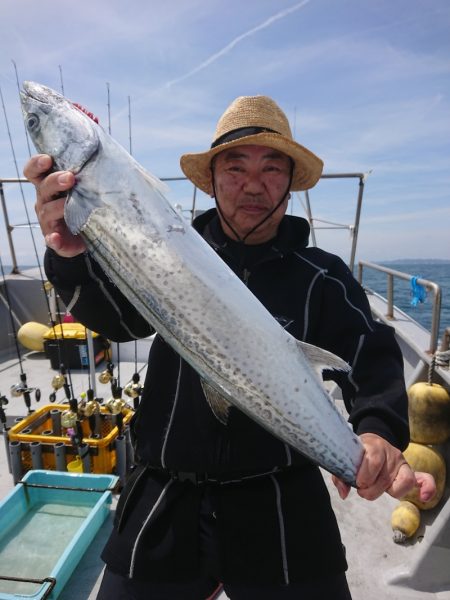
(418, 292)
(38, 262)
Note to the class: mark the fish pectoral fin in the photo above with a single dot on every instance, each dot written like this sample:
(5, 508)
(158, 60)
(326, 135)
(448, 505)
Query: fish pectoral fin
(219, 406)
(77, 209)
(321, 359)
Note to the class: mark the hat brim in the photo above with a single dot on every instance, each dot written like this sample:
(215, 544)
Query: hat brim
(307, 166)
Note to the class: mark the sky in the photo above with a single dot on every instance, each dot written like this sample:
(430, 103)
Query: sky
(364, 83)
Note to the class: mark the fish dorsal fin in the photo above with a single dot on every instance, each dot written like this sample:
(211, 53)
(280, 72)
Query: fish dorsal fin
(219, 406)
(321, 359)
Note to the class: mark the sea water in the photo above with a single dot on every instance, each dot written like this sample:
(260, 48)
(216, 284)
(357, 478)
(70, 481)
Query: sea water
(436, 271)
(33, 547)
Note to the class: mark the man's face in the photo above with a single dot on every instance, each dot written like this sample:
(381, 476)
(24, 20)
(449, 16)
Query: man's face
(250, 181)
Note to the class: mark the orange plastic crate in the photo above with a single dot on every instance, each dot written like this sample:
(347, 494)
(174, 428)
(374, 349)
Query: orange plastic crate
(37, 427)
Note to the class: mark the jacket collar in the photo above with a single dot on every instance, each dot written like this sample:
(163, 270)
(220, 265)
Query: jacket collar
(293, 233)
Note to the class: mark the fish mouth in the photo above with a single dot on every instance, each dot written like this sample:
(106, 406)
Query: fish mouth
(38, 92)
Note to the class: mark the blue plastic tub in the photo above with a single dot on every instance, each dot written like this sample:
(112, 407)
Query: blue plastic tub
(46, 525)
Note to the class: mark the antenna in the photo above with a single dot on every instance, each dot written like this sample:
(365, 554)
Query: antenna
(109, 109)
(129, 123)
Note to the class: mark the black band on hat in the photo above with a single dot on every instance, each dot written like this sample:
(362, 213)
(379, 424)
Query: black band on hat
(235, 134)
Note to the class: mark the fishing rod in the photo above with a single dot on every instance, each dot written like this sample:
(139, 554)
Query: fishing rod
(109, 108)
(18, 389)
(56, 383)
(18, 91)
(61, 79)
(134, 389)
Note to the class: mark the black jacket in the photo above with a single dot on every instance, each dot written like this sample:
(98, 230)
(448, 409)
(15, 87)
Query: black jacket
(315, 297)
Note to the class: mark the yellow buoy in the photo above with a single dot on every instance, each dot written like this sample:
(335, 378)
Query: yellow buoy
(405, 521)
(429, 413)
(426, 459)
(31, 335)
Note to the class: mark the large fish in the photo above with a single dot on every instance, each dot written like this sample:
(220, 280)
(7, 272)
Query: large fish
(187, 293)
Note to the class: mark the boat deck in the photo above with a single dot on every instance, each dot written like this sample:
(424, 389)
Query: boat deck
(375, 561)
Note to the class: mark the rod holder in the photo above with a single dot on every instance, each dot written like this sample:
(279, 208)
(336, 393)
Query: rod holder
(55, 415)
(36, 455)
(59, 450)
(15, 453)
(83, 451)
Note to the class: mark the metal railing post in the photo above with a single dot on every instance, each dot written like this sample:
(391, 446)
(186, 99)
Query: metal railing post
(9, 229)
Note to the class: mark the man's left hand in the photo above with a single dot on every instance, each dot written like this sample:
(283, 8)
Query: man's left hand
(384, 469)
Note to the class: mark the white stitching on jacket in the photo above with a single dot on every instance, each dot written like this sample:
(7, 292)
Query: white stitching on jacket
(177, 393)
(74, 299)
(282, 530)
(146, 522)
(355, 360)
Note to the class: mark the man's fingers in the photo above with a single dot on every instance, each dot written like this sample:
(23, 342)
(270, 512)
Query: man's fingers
(55, 186)
(342, 487)
(37, 167)
(426, 484)
(404, 481)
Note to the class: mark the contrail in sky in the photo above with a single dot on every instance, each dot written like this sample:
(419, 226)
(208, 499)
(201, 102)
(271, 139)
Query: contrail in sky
(267, 23)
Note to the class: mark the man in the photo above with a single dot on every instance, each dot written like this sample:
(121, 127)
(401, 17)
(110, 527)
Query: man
(210, 502)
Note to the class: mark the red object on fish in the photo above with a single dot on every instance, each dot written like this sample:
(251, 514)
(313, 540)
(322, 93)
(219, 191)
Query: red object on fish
(86, 112)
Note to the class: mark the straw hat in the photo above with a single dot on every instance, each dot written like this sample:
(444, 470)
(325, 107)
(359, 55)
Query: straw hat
(254, 120)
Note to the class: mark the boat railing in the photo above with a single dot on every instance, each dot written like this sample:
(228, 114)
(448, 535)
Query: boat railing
(10, 227)
(430, 286)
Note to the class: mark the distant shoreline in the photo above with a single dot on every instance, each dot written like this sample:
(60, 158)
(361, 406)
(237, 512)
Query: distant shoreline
(416, 260)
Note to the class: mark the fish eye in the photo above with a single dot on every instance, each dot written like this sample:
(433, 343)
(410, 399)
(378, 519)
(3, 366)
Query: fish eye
(33, 122)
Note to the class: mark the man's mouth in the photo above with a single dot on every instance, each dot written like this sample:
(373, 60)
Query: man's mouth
(253, 208)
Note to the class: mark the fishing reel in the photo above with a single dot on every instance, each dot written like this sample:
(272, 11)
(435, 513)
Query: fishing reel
(60, 381)
(57, 383)
(89, 405)
(115, 405)
(3, 402)
(69, 419)
(21, 389)
(134, 390)
(90, 409)
(107, 375)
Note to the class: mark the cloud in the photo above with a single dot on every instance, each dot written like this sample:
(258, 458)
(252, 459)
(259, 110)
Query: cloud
(226, 49)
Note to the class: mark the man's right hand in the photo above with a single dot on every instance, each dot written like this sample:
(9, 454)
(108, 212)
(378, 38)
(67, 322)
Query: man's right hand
(50, 189)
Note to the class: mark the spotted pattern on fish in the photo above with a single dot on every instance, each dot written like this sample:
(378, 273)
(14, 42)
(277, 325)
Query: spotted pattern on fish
(186, 292)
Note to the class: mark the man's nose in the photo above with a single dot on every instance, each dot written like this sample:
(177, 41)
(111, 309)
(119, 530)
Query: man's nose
(253, 183)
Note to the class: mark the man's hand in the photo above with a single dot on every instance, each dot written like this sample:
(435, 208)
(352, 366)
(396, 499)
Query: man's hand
(50, 192)
(384, 469)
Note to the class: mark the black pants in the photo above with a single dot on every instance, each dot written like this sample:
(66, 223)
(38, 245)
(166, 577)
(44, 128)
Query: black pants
(116, 587)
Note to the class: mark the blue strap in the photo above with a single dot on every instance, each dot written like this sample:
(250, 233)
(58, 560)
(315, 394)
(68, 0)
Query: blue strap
(418, 292)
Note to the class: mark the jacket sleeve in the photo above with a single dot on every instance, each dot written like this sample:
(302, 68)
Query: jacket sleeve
(374, 390)
(93, 299)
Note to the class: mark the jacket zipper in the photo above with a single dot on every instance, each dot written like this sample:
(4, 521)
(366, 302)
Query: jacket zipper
(245, 276)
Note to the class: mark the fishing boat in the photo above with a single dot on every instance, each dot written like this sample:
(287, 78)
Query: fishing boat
(379, 568)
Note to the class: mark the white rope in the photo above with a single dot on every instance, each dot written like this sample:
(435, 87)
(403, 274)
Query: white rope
(442, 358)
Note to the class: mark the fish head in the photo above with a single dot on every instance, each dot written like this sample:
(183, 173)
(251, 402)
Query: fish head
(57, 127)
